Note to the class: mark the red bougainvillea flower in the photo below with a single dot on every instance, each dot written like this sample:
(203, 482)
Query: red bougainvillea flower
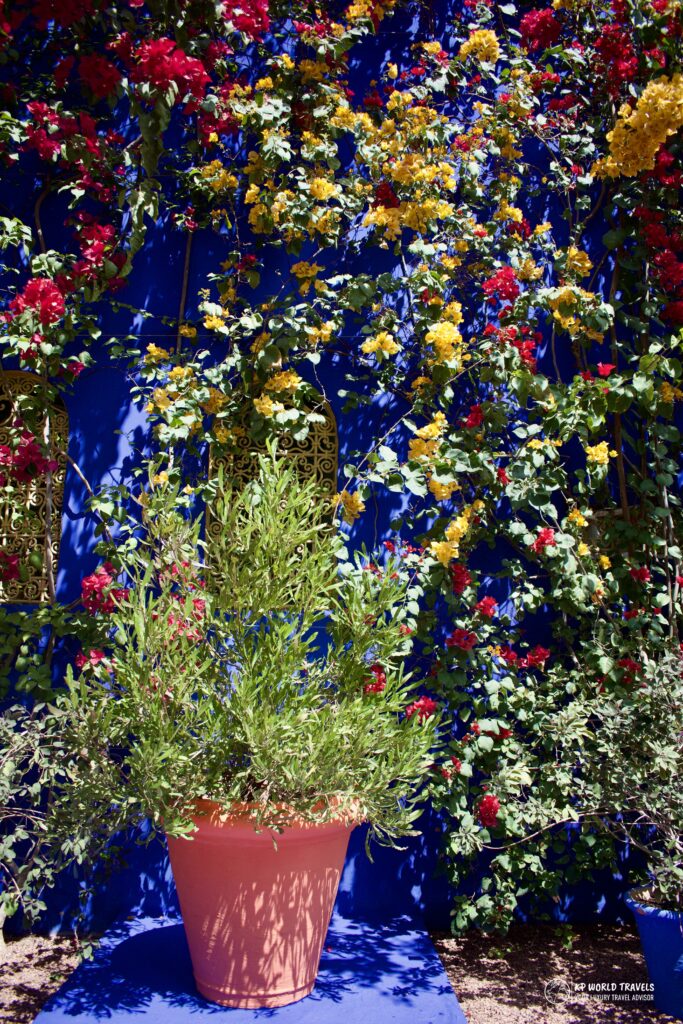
(509, 656)
(503, 284)
(536, 658)
(26, 461)
(487, 607)
(456, 762)
(629, 668)
(463, 639)
(604, 369)
(489, 806)
(642, 575)
(248, 16)
(42, 295)
(545, 539)
(460, 578)
(385, 196)
(424, 707)
(91, 659)
(160, 64)
(97, 594)
(99, 74)
(673, 313)
(475, 417)
(502, 476)
(380, 681)
(9, 567)
(539, 29)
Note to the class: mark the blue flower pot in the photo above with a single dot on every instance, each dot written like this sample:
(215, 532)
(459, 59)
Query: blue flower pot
(661, 936)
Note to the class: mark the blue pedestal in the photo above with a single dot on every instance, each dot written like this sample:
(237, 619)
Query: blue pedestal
(369, 974)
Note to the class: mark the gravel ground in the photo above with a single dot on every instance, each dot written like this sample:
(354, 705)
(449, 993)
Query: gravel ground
(503, 980)
(31, 969)
(497, 980)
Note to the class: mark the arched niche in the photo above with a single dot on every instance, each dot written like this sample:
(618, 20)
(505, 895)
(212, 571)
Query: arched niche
(315, 457)
(31, 522)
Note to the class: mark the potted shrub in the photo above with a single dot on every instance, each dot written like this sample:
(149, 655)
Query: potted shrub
(643, 780)
(253, 706)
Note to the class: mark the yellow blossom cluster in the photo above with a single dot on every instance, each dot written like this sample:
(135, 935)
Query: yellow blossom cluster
(352, 505)
(442, 491)
(415, 215)
(599, 454)
(529, 271)
(286, 380)
(305, 273)
(323, 333)
(187, 331)
(577, 517)
(213, 323)
(266, 406)
(155, 354)
(446, 341)
(537, 443)
(382, 343)
(322, 189)
(578, 262)
(215, 402)
(483, 45)
(446, 550)
(219, 179)
(640, 131)
(426, 441)
(668, 392)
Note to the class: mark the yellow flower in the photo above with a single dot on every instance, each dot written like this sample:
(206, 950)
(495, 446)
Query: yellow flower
(442, 492)
(583, 550)
(264, 83)
(383, 343)
(160, 400)
(392, 71)
(419, 383)
(453, 313)
(576, 516)
(578, 262)
(605, 562)
(599, 453)
(305, 273)
(213, 323)
(457, 529)
(482, 45)
(322, 333)
(187, 331)
(433, 429)
(221, 433)
(180, 374)
(668, 392)
(322, 189)
(446, 340)
(215, 401)
(267, 407)
(639, 132)
(155, 354)
(529, 271)
(286, 380)
(160, 479)
(352, 505)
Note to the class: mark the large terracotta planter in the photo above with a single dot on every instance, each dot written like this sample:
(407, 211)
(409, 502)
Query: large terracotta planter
(256, 905)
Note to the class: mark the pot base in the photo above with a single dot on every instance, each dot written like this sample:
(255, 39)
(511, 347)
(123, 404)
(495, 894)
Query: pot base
(253, 1000)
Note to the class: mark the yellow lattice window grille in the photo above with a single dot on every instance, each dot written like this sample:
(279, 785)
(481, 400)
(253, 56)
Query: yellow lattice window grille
(315, 457)
(30, 521)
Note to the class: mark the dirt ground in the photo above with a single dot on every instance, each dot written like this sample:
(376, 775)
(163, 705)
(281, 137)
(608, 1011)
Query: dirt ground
(497, 980)
(503, 980)
(31, 969)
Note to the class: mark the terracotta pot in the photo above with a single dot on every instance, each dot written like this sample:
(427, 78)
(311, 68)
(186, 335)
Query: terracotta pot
(256, 905)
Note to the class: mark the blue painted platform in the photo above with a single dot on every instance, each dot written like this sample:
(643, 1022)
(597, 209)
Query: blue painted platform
(369, 974)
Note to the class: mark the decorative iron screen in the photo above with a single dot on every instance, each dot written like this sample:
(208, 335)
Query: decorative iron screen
(24, 526)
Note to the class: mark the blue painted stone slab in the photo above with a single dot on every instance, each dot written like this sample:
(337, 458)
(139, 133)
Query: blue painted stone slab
(369, 974)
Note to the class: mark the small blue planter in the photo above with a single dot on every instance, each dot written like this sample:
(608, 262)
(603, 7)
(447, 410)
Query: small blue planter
(661, 936)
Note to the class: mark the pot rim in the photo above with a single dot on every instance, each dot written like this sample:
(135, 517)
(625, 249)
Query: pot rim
(205, 811)
(635, 902)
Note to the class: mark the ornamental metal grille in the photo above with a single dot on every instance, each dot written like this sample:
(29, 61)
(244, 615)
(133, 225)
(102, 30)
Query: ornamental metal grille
(315, 457)
(30, 522)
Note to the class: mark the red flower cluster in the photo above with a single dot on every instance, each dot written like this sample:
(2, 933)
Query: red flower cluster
(535, 658)
(424, 707)
(248, 16)
(89, 660)
(380, 680)
(25, 462)
(503, 478)
(642, 575)
(9, 567)
(463, 639)
(503, 284)
(99, 74)
(475, 418)
(386, 197)
(460, 578)
(97, 594)
(539, 30)
(160, 63)
(487, 607)
(41, 295)
(545, 539)
(617, 57)
(489, 806)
